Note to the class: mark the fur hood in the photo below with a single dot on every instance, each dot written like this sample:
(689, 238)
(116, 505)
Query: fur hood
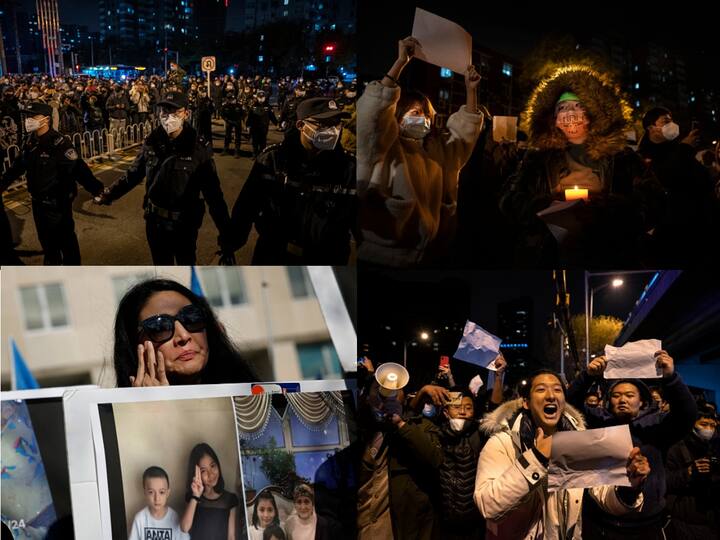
(503, 418)
(608, 112)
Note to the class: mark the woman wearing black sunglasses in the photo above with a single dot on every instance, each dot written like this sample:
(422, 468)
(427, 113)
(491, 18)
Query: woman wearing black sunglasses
(165, 334)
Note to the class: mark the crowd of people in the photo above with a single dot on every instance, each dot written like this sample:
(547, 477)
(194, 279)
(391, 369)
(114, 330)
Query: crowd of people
(299, 195)
(431, 192)
(454, 461)
(85, 103)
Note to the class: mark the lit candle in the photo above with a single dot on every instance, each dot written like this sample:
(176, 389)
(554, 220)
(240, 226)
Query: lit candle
(575, 193)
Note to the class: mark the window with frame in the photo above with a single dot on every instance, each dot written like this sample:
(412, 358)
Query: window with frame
(223, 286)
(44, 306)
(300, 283)
(319, 360)
(122, 284)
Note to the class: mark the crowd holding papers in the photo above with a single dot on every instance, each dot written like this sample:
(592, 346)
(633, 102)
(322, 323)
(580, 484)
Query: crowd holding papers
(590, 458)
(443, 43)
(478, 346)
(635, 359)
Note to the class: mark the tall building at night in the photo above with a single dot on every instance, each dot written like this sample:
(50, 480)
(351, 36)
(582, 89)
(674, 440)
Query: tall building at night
(49, 27)
(319, 14)
(515, 329)
(132, 27)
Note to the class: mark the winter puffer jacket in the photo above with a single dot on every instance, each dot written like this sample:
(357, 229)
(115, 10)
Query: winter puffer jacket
(408, 188)
(461, 450)
(511, 483)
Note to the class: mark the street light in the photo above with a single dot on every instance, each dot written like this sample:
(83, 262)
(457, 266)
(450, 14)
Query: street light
(424, 336)
(616, 282)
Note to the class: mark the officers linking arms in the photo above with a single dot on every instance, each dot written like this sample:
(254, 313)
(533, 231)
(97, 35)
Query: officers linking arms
(52, 167)
(178, 165)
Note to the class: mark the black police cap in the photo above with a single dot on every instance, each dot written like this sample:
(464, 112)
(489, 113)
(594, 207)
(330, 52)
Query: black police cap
(320, 109)
(175, 99)
(37, 107)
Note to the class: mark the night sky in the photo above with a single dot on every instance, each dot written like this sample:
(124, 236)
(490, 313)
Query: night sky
(513, 29)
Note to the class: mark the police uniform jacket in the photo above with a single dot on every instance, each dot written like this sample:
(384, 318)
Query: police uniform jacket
(303, 207)
(52, 167)
(178, 172)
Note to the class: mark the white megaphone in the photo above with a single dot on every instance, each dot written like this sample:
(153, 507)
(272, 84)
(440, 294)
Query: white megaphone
(391, 377)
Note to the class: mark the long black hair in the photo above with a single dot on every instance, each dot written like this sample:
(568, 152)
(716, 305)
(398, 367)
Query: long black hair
(224, 364)
(196, 454)
(265, 495)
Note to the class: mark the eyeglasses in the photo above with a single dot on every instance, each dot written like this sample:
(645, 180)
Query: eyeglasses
(161, 328)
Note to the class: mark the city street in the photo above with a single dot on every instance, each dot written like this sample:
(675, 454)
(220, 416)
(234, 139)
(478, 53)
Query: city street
(115, 234)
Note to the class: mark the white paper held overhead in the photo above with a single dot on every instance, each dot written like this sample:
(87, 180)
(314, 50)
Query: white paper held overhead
(443, 42)
(590, 458)
(635, 359)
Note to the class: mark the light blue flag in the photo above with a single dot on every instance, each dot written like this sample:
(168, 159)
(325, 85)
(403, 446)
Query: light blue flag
(24, 380)
(478, 346)
(195, 283)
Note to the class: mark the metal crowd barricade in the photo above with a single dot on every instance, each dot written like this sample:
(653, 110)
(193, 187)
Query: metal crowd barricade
(93, 146)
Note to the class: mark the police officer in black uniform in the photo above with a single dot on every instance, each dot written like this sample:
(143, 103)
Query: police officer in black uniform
(259, 116)
(300, 194)
(288, 114)
(52, 166)
(178, 165)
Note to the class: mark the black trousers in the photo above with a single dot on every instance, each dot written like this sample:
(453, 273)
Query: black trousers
(229, 129)
(171, 242)
(56, 231)
(259, 141)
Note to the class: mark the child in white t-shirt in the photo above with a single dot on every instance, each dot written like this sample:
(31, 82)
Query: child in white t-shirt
(157, 521)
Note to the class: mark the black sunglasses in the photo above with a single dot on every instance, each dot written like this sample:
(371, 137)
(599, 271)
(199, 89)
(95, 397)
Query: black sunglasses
(161, 328)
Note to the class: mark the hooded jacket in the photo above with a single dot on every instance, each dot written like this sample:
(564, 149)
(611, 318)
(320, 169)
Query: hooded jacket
(511, 483)
(627, 198)
(407, 188)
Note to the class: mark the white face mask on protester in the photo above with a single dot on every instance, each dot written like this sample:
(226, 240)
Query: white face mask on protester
(415, 127)
(171, 123)
(428, 410)
(705, 434)
(671, 131)
(32, 124)
(324, 138)
(457, 424)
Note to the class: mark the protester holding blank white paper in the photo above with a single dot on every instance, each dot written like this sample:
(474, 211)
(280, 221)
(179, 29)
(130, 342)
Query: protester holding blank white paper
(408, 169)
(511, 483)
(628, 401)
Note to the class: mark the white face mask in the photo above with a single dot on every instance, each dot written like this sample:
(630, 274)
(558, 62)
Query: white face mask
(261, 99)
(229, 88)
(457, 424)
(705, 434)
(671, 131)
(415, 127)
(32, 124)
(323, 138)
(351, 94)
(171, 123)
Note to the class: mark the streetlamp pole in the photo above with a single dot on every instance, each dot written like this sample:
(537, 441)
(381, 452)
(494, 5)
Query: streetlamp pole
(587, 321)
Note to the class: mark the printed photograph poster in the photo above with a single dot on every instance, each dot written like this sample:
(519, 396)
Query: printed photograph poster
(192, 462)
(34, 482)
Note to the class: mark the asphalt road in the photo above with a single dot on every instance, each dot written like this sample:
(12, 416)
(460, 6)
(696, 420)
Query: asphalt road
(115, 235)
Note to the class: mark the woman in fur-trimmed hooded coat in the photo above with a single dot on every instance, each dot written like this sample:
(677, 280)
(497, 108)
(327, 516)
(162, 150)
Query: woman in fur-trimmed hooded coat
(625, 198)
(511, 483)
